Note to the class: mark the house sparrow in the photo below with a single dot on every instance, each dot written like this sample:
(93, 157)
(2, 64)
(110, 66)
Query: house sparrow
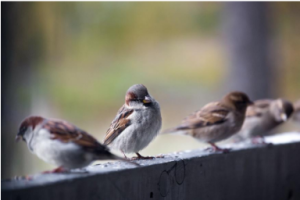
(216, 121)
(61, 143)
(263, 116)
(296, 114)
(136, 123)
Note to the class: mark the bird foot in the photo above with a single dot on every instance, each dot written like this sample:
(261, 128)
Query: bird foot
(259, 140)
(142, 158)
(222, 150)
(56, 170)
(214, 148)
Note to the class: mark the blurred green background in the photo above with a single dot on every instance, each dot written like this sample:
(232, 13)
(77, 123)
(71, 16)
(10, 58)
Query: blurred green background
(75, 61)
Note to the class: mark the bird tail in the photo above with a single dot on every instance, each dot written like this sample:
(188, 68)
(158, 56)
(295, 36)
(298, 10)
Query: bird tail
(168, 131)
(103, 153)
(177, 130)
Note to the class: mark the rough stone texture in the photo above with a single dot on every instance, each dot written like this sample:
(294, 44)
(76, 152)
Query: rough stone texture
(248, 172)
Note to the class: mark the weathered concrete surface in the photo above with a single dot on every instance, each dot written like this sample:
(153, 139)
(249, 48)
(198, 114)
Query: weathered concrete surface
(248, 172)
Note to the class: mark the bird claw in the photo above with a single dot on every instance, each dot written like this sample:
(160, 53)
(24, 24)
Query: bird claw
(56, 170)
(214, 148)
(225, 150)
(142, 158)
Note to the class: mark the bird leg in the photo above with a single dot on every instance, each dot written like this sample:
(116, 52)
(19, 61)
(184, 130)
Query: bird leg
(139, 157)
(56, 170)
(124, 155)
(258, 140)
(218, 149)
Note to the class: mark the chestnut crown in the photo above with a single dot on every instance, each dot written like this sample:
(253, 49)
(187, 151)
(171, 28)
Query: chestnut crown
(31, 121)
(137, 94)
(238, 99)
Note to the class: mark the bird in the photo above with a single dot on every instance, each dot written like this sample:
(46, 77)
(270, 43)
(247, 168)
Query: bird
(62, 144)
(262, 117)
(216, 121)
(296, 114)
(136, 124)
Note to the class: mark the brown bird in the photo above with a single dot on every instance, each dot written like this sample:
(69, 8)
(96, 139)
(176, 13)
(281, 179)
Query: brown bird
(61, 144)
(216, 121)
(263, 116)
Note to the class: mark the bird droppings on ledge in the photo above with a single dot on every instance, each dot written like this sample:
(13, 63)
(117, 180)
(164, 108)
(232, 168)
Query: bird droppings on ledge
(178, 168)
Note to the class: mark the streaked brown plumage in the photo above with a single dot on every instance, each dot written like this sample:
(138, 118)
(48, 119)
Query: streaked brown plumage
(120, 123)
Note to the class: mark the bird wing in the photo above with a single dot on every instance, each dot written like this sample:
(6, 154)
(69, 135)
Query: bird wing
(258, 108)
(67, 132)
(118, 125)
(211, 114)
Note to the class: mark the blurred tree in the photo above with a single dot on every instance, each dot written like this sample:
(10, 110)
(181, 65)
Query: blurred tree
(17, 76)
(248, 41)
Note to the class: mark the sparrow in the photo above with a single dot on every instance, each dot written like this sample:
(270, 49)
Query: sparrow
(296, 114)
(62, 144)
(136, 123)
(216, 121)
(263, 116)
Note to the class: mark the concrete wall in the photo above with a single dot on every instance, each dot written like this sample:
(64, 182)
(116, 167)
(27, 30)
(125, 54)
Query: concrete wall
(263, 172)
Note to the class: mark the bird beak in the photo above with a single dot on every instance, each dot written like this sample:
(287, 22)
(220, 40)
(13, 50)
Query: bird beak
(18, 138)
(283, 117)
(147, 100)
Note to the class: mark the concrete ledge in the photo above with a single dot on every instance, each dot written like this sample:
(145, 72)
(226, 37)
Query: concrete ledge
(248, 172)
